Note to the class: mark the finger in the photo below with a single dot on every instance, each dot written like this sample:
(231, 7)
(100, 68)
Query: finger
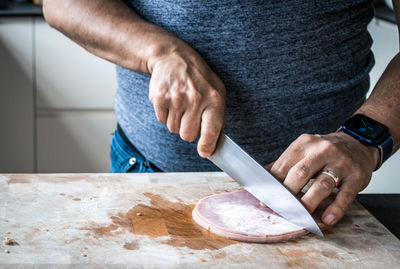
(303, 171)
(212, 122)
(292, 155)
(269, 166)
(321, 188)
(160, 104)
(174, 121)
(161, 113)
(281, 167)
(190, 125)
(344, 198)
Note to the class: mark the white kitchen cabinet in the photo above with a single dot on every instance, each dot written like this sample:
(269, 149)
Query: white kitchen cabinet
(74, 104)
(16, 96)
(74, 141)
(67, 76)
(385, 47)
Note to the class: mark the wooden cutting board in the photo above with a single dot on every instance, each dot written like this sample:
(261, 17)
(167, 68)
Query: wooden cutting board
(144, 221)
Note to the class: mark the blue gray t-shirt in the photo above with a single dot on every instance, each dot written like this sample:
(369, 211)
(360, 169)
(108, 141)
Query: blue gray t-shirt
(289, 67)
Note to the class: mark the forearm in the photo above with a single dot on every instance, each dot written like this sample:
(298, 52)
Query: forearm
(186, 94)
(111, 30)
(384, 103)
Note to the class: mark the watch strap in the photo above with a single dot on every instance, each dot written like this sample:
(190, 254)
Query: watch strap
(387, 147)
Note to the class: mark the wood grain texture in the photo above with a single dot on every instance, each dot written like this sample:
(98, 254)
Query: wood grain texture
(141, 221)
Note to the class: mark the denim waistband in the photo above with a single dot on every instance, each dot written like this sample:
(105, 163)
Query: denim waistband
(128, 150)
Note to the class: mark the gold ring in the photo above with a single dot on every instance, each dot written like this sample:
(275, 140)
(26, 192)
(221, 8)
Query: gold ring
(332, 175)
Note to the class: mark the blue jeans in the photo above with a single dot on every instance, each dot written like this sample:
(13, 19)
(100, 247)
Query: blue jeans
(125, 158)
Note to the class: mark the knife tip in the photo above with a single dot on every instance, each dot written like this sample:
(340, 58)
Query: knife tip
(317, 232)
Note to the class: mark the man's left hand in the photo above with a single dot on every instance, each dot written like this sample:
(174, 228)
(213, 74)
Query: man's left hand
(309, 155)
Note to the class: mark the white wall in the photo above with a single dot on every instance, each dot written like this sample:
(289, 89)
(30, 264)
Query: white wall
(385, 47)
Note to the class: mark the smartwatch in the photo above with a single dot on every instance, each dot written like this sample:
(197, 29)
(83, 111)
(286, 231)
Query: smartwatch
(371, 133)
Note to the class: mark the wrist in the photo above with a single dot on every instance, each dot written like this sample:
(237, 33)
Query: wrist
(164, 48)
(372, 154)
(372, 133)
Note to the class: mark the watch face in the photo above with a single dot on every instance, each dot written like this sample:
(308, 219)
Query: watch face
(366, 127)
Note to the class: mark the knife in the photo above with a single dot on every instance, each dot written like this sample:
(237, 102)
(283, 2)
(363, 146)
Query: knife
(239, 165)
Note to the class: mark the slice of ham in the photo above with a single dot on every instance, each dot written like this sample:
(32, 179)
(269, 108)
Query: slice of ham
(239, 216)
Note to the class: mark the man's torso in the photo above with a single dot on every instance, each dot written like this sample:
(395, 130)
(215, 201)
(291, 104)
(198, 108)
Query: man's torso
(289, 67)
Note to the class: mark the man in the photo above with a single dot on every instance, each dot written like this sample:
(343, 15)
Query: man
(275, 69)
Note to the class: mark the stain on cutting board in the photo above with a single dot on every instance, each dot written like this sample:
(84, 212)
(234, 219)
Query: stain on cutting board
(163, 218)
(131, 245)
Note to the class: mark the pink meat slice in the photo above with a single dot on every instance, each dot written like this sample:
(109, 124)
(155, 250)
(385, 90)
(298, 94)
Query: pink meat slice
(239, 216)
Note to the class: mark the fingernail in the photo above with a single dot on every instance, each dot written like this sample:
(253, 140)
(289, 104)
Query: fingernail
(204, 154)
(330, 219)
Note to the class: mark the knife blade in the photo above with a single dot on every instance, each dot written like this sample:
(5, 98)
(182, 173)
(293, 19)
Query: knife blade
(239, 165)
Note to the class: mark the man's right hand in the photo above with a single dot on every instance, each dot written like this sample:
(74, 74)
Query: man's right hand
(188, 97)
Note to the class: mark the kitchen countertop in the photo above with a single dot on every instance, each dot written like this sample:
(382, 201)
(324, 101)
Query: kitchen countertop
(82, 220)
(384, 207)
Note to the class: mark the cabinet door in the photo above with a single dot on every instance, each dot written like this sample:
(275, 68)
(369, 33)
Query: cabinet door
(16, 96)
(385, 47)
(67, 76)
(75, 92)
(74, 141)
